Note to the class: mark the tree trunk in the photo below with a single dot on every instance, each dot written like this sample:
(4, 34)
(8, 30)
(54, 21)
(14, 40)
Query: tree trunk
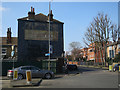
(101, 55)
(97, 55)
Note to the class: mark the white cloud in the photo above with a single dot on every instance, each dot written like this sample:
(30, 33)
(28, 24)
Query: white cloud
(2, 8)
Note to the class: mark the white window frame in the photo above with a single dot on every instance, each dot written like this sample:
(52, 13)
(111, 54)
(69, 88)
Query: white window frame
(5, 51)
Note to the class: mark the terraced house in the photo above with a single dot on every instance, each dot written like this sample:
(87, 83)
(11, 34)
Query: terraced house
(7, 43)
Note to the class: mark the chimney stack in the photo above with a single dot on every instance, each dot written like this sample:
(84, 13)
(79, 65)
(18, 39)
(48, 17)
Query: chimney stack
(31, 14)
(50, 15)
(9, 35)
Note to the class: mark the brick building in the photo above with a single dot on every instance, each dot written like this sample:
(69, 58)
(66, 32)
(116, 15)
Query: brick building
(84, 53)
(6, 45)
(33, 36)
(111, 49)
(94, 54)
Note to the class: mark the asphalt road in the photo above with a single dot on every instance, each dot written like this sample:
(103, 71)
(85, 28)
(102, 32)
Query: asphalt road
(83, 78)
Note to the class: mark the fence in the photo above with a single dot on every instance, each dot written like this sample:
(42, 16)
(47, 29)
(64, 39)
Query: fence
(52, 64)
(6, 65)
(56, 65)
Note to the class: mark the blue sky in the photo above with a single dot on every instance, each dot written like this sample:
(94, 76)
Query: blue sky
(76, 16)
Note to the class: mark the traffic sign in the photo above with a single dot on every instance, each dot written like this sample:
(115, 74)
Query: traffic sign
(12, 53)
(47, 54)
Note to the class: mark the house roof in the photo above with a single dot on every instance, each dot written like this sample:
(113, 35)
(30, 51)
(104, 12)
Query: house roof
(40, 17)
(4, 41)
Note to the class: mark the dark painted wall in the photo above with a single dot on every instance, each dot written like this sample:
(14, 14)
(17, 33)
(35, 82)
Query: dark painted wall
(34, 49)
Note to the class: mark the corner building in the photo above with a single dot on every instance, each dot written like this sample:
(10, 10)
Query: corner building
(33, 37)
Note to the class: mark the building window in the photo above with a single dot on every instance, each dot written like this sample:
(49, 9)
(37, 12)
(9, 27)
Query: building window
(4, 50)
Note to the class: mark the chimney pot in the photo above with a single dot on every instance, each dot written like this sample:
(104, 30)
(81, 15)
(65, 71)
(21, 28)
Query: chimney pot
(8, 29)
(50, 15)
(31, 9)
(51, 12)
(9, 35)
(31, 14)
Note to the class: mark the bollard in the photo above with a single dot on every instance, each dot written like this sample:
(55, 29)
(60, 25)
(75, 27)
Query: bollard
(110, 67)
(15, 75)
(28, 76)
(119, 68)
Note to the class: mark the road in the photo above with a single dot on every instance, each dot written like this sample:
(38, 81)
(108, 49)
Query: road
(83, 78)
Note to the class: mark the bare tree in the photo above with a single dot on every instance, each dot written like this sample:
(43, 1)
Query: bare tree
(100, 28)
(90, 38)
(75, 49)
(114, 36)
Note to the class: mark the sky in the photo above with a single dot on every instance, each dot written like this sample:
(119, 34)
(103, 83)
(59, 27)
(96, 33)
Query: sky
(76, 16)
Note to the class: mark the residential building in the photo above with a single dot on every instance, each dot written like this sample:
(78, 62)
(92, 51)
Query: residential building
(90, 53)
(94, 54)
(113, 49)
(33, 37)
(84, 53)
(7, 43)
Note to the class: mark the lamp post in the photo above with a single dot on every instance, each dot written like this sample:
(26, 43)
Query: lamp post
(49, 35)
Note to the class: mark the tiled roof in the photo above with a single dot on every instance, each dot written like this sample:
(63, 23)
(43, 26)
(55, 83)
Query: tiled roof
(4, 41)
(40, 17)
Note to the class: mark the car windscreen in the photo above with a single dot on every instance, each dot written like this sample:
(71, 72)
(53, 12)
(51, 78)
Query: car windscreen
(34, 68)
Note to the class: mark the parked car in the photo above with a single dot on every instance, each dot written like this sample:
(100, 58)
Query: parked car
(116, 67)
(71, 67)
(35, 71)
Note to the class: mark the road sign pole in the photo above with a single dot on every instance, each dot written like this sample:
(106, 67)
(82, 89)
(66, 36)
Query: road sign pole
(12, 53)
(49, 35)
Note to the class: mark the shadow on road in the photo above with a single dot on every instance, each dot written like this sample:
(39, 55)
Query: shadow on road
(80, 70)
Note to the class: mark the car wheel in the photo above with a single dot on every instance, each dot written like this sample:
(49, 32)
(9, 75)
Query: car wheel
(20, 76)
(48, 76)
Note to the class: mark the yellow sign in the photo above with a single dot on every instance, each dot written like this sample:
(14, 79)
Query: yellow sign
(110, 67)
(28, 76)
(119, 68)
(15, 75)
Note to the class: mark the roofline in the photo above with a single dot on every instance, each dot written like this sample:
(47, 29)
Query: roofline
(57, 21)
(40, 21)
